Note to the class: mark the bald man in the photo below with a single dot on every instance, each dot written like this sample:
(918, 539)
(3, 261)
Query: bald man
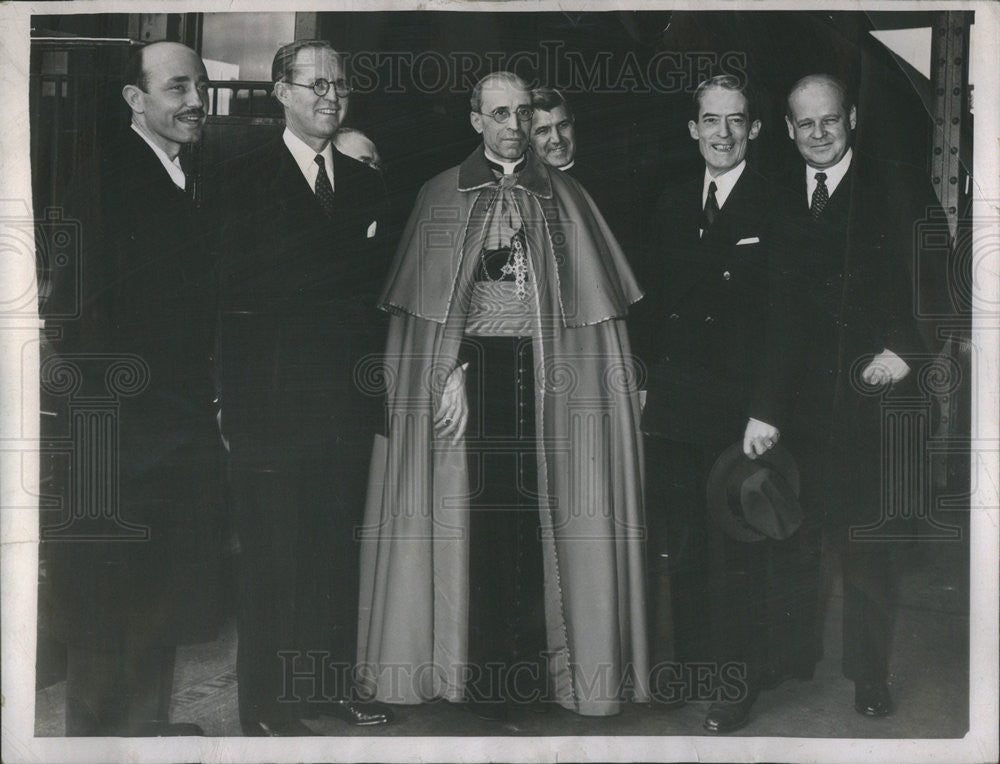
(143, 578)
(844, 342)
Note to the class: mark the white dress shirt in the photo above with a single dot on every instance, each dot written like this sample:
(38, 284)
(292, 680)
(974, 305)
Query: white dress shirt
(172, 166)
(724, 184)
(305, 158)
(834, 175)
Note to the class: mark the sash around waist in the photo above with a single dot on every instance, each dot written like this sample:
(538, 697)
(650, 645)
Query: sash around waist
(495, 310)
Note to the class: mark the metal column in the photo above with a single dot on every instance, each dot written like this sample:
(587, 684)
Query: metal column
(949, 72)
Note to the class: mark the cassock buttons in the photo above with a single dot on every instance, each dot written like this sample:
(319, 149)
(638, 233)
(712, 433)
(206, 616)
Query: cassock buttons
(727, 275)
(674, 316)
(709, 320)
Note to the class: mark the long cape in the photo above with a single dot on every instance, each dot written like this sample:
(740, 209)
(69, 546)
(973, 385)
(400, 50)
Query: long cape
(414, 603)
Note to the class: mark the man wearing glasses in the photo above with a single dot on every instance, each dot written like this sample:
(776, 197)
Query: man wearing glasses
(502, 548)
(301, 264)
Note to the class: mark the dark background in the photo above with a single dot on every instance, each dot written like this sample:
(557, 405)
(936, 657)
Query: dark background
(631, 128)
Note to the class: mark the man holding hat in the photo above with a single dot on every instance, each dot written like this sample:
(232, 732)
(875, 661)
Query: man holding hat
(714, 585)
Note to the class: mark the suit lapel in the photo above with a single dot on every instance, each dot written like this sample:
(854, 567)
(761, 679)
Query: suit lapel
(285, 185)
(720, 233)
(685, 265)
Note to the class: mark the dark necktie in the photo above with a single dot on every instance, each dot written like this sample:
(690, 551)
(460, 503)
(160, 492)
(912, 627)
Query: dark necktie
(820, 196)
(711, 206)
(324, 191)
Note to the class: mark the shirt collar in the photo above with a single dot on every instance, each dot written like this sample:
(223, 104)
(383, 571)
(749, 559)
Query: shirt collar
(834, 175)
(723, 183)
(305, 157)
(172, 166)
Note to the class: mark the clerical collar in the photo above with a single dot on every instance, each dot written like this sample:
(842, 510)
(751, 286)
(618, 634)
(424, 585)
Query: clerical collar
(505, 166)
(171, 164)
(568, 165)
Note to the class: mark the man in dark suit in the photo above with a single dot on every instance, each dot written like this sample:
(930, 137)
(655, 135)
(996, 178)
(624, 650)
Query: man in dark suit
(134, 580)
(698, 334)
(301, 264)
(843, 343)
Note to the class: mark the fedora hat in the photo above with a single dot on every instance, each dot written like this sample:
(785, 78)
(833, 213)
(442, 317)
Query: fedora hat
(754, 499)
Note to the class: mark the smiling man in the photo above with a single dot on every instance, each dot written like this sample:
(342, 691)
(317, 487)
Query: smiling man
(699, 332)
(301, 264)
(123, 603)
(553, 140)
(500, 566)
(553, 134)
(842, 343)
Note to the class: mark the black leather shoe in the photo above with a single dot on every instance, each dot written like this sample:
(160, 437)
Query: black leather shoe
(728, 716)
(357, 714)
(166, 729)
(292, 728)
(872, 698)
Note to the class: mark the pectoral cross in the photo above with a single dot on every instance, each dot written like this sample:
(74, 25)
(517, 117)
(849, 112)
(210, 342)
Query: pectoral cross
(517, 267)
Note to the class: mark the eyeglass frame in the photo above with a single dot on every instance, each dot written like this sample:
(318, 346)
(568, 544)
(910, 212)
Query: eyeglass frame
(515, 112)
(347, 90)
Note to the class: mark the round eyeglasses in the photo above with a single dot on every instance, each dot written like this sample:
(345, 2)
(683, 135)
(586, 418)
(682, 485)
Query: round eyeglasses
(321, 87)
(501, 114)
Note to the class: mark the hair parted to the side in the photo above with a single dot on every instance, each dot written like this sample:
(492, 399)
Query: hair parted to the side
(725, 82)
(284, 59)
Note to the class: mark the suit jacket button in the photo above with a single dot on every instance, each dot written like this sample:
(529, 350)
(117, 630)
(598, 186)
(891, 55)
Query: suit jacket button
(709, 320)
(674, 316)
(727, 275)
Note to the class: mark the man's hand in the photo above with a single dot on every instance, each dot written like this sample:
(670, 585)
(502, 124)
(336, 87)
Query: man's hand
(885, 368)
(453, 412)
(759, 437)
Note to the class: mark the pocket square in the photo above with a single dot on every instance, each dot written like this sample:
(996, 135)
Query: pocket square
(372, 228)
(749, 240)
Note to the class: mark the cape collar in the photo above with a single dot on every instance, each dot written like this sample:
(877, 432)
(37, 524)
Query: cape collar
(475, 173)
